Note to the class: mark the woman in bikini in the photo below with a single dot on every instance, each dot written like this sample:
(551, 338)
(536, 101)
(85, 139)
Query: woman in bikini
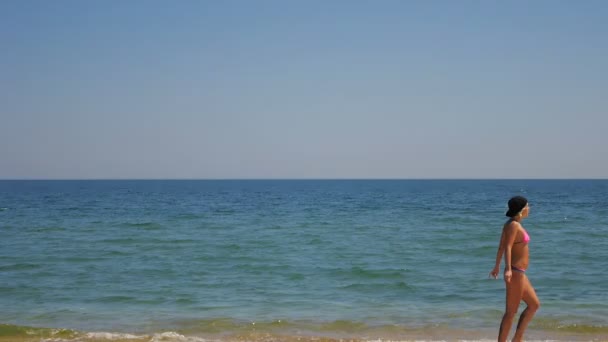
(514, 244)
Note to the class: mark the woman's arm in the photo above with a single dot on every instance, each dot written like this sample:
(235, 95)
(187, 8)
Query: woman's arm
(501, 249)
(499, 252)
(510, 232)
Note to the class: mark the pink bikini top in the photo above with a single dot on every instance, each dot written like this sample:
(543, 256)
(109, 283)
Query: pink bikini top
(526, 237)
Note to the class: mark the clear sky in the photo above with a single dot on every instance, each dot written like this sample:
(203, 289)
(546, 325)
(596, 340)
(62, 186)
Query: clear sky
(303, 89)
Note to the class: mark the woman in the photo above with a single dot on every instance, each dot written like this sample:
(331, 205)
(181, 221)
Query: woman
(514, 244)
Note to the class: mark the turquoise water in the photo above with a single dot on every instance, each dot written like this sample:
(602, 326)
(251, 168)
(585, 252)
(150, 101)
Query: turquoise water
(327, 256)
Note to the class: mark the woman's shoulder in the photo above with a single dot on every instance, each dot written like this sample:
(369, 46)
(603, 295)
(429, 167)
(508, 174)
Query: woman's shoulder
(511, 225)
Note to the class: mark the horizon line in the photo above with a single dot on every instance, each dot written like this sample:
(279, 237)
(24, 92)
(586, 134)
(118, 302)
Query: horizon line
(296, 179)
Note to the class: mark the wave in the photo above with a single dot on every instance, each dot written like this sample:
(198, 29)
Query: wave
(362, 287)
(366, 273)
(19, 267)
(169, 242)
(570, 327)
(229, 330)
(8, 331)
(142, 225)
(50, 229)
(187, 217)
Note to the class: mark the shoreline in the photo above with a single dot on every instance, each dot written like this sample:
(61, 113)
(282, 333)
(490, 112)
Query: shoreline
(15, 333)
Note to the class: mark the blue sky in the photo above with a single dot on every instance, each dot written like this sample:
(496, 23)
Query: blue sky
(303, 89)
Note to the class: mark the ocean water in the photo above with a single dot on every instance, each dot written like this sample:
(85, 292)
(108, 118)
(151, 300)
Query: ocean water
(256, 259)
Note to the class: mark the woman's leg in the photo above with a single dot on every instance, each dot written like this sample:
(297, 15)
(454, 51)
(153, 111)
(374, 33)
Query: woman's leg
(514, 294)
(529, 296)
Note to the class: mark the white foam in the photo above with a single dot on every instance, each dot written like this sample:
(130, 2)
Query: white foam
(171, 336)
(113, 336)
(99, 336)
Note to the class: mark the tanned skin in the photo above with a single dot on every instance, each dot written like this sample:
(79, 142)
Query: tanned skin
(518, 287)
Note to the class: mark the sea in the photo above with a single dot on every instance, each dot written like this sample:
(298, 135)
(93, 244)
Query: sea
(294, 260)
